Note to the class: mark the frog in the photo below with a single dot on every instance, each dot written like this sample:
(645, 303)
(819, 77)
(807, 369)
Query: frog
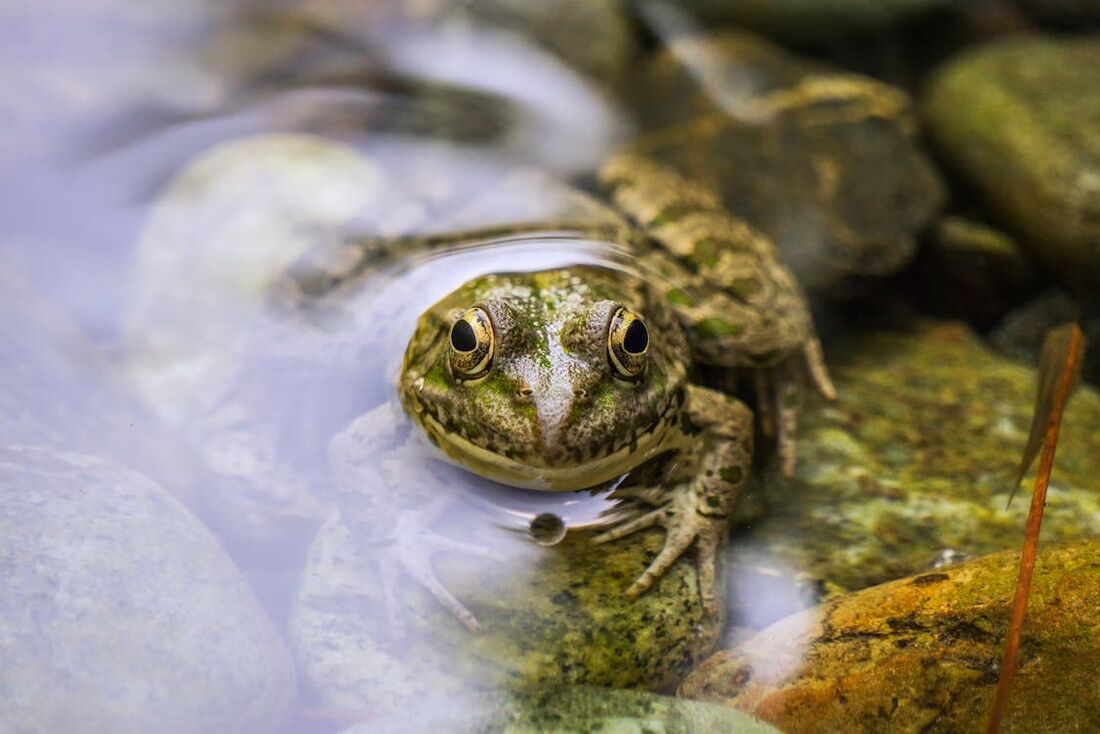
(567, 378)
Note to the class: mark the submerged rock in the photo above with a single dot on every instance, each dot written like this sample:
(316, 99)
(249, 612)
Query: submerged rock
(923, 653)
(579, 709)
(812, 20)
(1064, 12)
(1020, 119)
(1021, 332)
(825, 163)
(549, 616)
(120, 612)
(911, 464)
(970, 270)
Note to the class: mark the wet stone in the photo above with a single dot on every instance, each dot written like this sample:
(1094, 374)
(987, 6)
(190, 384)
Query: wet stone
(923, 653)
(548, 616)
(1020, 120)
(911, 464)
(825, 163)
(120, 612)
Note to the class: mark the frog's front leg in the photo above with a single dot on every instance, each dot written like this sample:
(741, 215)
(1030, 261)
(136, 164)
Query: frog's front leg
(389, 499)
(715, 456)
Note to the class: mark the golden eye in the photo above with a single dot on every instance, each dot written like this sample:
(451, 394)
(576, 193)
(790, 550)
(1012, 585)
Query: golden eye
(627, 344)
(472, 344)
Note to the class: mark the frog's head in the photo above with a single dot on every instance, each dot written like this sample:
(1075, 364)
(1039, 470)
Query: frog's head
(552, 380)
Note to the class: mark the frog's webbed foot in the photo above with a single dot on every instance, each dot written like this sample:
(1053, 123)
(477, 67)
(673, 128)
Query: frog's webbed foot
(389, 500)
(715, 462)
(779, 391)
(409, 550)
(684, 526)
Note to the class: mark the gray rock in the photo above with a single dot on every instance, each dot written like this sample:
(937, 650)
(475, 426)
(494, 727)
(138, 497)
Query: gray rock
(1020, 120)
(120, 612)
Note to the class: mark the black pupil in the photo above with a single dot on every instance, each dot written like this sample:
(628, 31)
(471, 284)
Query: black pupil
(637, 337)
(462, 337)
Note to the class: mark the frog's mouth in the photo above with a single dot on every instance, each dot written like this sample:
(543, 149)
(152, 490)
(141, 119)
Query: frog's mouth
(561, 478)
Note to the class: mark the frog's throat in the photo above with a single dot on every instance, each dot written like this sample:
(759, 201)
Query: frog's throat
(565, 478)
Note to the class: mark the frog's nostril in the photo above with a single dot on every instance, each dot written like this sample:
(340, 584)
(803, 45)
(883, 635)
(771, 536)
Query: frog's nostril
(580, 393)
(524, 394)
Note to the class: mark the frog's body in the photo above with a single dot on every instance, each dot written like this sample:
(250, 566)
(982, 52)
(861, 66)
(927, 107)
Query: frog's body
(543, 380)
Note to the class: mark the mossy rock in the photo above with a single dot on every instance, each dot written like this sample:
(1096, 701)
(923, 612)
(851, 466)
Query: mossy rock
(548, 616)
(923, 653)
(1020, 120)
(568, 710)
(912, 465)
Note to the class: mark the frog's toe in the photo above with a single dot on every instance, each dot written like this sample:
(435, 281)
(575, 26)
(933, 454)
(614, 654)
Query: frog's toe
(417, 564)
(706, 551)
(410, 552)
(678, 540)
(815, 365)
(624, 529)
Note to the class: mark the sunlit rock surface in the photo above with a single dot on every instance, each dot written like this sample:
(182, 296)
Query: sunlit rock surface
(910, 467)
(923, 653)
(824, 162)
(548, 616)
(1020, 120)
(120, 612)
(578, 709)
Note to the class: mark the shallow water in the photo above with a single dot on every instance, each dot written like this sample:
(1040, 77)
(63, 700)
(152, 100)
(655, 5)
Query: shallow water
(182, 554)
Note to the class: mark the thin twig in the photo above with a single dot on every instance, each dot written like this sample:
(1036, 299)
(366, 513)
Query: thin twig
(1031, 537)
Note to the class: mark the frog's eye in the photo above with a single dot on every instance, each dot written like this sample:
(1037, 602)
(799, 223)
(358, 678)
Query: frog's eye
(627, 344)
(472, 344)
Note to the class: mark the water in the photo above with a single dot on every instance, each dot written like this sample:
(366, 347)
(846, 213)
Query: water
(183, 554)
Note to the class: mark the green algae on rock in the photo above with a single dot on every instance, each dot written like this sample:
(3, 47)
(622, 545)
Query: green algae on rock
(1020, 119)
(913, 463)
(569, 710)
(549, 616)
(823, 162)
(922, 653)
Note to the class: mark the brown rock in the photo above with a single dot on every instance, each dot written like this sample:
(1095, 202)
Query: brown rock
(923, 653)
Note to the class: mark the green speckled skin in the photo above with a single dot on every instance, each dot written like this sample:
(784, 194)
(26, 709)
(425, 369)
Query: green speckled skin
(551, 398)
